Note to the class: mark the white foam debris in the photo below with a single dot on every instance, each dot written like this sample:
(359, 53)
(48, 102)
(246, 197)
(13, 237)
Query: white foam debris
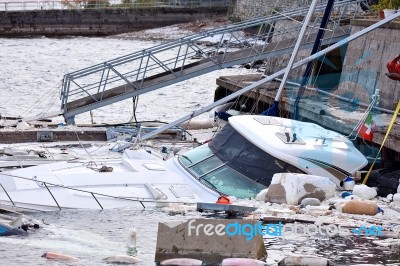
(364, 191)
(296, 186)
(396, 197)
(174, 209)
(261, 195)
(23, 125)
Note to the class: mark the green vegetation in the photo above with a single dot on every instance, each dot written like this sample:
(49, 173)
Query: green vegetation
(86, 4)
(386, 4)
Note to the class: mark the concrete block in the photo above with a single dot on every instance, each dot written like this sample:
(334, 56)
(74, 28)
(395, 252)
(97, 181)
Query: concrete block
(207, 240)
(388, 104)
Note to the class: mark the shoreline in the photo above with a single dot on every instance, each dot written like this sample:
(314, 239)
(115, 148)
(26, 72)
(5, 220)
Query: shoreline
(175, 31)
(99, 22)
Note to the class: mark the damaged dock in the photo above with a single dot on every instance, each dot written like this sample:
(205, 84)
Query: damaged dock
(315, 107)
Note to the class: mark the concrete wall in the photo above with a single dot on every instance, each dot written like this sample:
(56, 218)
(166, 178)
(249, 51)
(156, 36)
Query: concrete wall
(365, 64)
(247, 9)
(275, 64)
(91, 22)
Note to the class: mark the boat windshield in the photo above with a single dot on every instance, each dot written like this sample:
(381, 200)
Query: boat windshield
(233, 165)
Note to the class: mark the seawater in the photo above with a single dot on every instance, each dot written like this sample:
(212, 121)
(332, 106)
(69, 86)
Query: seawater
(92, 235)
(30, 78)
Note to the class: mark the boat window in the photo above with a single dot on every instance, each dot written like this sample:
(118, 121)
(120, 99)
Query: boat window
(206, 166)
(246, 158)
(195, 155)
(230, 182)
(212, 172)
(233, 165)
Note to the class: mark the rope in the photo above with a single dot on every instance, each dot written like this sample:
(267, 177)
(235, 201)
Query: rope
(383, 142)
(50, 93)
(363, 118)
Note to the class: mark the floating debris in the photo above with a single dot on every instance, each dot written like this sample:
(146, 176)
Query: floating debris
(57, 256)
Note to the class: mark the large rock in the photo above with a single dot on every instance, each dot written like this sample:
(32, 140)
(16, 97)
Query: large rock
(207, 240)
(293, 188)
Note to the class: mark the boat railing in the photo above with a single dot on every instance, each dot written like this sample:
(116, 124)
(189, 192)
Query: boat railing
(47, 185)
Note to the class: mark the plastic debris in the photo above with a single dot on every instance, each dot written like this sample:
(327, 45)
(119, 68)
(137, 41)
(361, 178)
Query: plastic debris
(292, 188)
(182, 261)
(22, 125)
(57, 256)
(119, 259)
(261, 195)
(366, 207)
(346, 194)
(396, 197)
(352, 197)
(242, 262)
(305, 260)
(364, 192)
(348, 183)
(224, 200)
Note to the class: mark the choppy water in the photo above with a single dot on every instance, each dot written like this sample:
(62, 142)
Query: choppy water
(32, 69)
(93, 235)
(29, 82)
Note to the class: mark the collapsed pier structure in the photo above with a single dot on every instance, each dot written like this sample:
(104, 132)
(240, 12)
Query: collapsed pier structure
(270, 39)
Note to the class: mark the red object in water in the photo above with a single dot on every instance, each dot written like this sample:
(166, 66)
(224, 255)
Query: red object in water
(394, 66)
(224, 200)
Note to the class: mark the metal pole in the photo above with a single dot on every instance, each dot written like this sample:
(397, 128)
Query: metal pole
(97, 201)
(296, 49)
(7, 194)
(44, 183)
(317, 43)
(271, 77)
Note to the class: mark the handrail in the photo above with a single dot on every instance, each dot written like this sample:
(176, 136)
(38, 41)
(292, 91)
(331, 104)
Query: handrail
(129, 72)
(99, 4)
(44, 183)
(269, 78)
(7, 194)
(133, 199)
(96, 200)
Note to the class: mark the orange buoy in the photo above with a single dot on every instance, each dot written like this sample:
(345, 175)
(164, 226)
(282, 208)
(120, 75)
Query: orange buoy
(224, 200)
(366, 207)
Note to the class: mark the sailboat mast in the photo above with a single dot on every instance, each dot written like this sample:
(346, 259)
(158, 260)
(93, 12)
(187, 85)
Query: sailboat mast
(296, 49)
(317, 44)
(271, 77)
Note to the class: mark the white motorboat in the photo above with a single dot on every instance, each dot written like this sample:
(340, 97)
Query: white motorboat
(239, 161)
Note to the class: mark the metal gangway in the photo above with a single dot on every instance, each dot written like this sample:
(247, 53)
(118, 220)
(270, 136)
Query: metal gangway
(172, 62)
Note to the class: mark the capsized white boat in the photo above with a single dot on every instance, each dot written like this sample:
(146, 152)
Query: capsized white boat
(240, 161)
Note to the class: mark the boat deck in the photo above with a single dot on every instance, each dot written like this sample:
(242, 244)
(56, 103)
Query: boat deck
(327, 111)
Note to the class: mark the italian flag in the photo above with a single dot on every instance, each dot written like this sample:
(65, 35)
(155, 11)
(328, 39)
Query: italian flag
(367, 128)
